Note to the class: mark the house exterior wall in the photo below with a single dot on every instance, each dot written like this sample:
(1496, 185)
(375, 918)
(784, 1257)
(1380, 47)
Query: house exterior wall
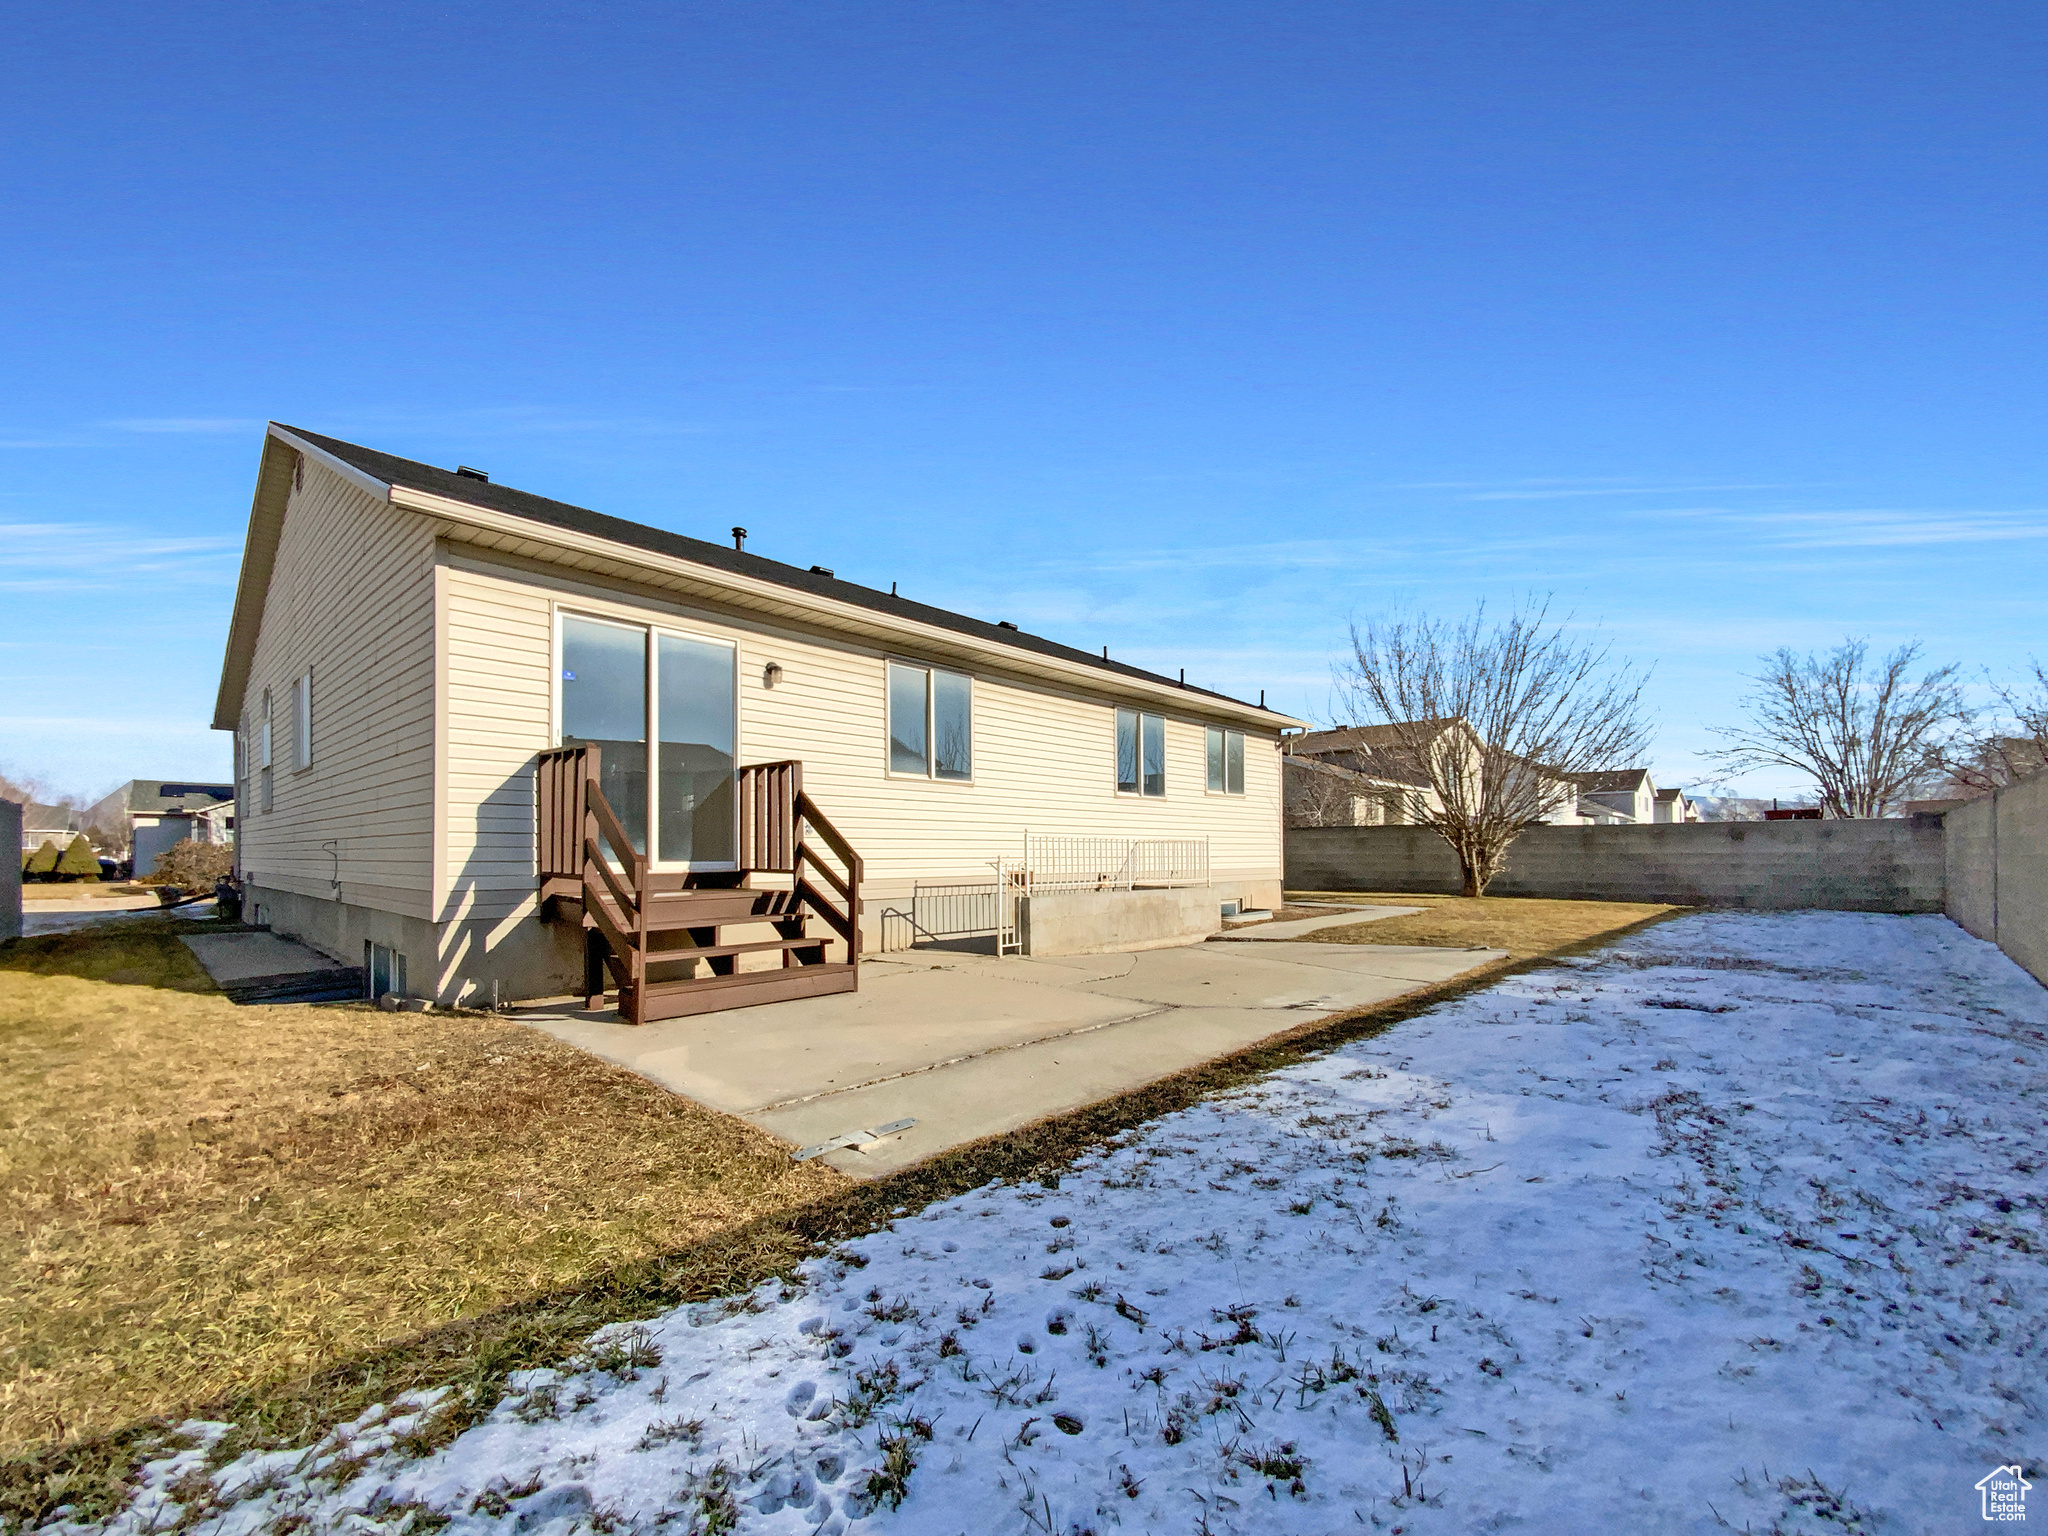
(1044, 761)
(351, 599)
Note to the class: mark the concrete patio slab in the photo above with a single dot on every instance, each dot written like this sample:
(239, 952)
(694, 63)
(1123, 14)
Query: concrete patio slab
(905, 1018)
(971, 1046)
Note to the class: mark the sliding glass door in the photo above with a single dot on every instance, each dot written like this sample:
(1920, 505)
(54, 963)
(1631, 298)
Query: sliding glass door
(624, 686)
(693, 793)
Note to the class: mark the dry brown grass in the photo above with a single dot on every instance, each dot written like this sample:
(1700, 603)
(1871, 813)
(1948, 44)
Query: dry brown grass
(1525, 927)
(202, 1200)
(706, 1206)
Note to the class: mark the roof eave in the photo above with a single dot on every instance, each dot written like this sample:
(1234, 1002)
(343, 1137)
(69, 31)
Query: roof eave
(281, 452)
(848, 616)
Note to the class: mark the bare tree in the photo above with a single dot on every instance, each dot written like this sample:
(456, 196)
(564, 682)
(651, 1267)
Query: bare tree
(2016, 745)
(1492, 717)
(1868, 736)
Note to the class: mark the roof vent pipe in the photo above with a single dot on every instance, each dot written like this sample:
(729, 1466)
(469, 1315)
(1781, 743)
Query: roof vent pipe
(1183, 677)
(739, 538)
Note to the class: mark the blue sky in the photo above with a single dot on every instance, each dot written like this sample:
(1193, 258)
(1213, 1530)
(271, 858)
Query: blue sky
(1188, 329)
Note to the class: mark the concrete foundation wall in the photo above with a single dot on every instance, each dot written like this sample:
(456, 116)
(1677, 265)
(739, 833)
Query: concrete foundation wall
(1998, 871)
(1104, 922)
(451, 963)
(1849, 866)
(10, 871)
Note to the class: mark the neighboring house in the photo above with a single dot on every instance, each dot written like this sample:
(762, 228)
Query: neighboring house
(47, 824)
(1630, 792)
(1325, 794)
(1675, 805)
(434, 680)
(1371, 768)
(1390, 790)
(161, 813)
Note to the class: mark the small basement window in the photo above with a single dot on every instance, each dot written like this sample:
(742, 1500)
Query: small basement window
(1226, 761)
(385, 969)
(1140, 753)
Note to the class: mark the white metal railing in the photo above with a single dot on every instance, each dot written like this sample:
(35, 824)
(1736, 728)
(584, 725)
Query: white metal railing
(1051, 862)
(1063, 862)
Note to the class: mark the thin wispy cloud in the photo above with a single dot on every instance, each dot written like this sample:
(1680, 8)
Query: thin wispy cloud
(1882, 528)
(93, 557)
(1616, 490)
(187, 424)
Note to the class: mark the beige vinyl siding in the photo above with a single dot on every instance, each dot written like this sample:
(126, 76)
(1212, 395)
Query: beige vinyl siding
(1044, 758)
(351, 599)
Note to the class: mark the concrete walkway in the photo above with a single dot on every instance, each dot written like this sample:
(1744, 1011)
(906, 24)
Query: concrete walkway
(970, 1046)
(1294, 928)
(263, 968)
(67, 916)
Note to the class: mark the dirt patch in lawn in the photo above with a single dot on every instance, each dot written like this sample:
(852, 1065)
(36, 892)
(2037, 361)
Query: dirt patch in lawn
(1525, 927)
(204, 1201)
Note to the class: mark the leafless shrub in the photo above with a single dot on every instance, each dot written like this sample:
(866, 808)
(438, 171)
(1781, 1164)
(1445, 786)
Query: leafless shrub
(1868, 736)
(1491, 717)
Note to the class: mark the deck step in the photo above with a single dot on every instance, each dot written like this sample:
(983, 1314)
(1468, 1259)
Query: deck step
(679, 999)
(692, 952)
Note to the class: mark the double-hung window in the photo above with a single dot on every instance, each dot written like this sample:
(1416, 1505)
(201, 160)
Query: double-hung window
(1140, 753)
(931, 723)
(1226, 761)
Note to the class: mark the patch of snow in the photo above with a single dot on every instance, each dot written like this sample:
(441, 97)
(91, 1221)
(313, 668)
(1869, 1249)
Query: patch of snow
(1736, 1224)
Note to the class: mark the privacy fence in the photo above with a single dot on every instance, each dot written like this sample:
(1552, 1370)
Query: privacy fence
(1987, 867)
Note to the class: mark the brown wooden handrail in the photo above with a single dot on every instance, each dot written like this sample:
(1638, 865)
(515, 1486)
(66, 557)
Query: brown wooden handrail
(810, 816)
(559, 777)
(583, 853)
(768, 793)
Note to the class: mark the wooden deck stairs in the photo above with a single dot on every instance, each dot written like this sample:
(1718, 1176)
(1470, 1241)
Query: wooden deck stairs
(785, 924)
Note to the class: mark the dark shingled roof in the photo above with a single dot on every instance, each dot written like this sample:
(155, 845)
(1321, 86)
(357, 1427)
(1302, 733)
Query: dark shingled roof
(560, 514)
(1611, 781)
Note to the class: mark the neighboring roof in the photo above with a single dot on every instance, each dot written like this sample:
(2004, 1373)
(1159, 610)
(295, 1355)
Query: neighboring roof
(1669, 794)
(1610, 781)
(45, 818)
(1352, 738)
(389, 471)
(1598, 812)
(155, 796)
(1337, 771)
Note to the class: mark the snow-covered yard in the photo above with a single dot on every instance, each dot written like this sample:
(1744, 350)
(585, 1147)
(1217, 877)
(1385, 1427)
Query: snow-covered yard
(1736, 1224)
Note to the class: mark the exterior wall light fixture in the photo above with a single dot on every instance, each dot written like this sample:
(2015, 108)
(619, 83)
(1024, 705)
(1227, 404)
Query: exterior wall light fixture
(771, 674)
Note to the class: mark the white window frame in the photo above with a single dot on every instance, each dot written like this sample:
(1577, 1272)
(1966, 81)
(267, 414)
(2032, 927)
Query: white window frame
(931, 773)
(302, 720)
(263, 733)
(651, 630)
(1227, 733)
(1138, 791)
